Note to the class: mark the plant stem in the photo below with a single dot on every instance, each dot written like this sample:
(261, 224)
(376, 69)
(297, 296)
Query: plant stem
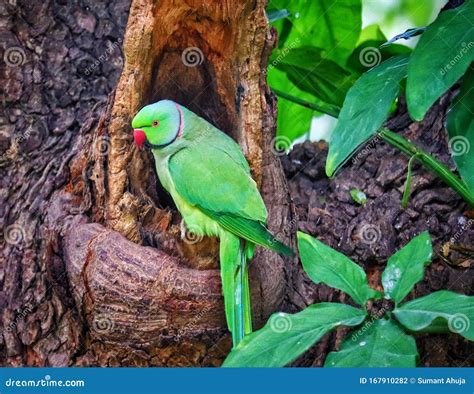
(402, 144)
(429, 162)
(324, 108)
(406, 192)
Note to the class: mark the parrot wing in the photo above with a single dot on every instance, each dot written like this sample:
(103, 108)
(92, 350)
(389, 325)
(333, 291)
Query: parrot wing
(209, 177)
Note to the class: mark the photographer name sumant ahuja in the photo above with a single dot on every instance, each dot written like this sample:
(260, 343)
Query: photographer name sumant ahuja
(458, 381)
(405, 380)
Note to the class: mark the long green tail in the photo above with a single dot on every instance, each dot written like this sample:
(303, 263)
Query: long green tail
(235, 283)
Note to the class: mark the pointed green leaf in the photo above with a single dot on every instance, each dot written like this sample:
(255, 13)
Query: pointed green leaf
(406, 35)
(366, 107)
(286, 336)
(407, 267)
(460, 125)
(324, 264)
(456, 310)
(379, 343)
(441, 57)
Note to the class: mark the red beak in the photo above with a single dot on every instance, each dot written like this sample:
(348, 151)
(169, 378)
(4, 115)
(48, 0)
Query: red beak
(139, 137)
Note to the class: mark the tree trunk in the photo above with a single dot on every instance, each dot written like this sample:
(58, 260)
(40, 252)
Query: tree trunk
(95, 270)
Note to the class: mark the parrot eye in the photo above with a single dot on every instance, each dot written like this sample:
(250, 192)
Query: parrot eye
(155, 123)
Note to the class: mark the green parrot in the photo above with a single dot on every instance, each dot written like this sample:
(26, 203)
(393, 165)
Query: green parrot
(209, 179)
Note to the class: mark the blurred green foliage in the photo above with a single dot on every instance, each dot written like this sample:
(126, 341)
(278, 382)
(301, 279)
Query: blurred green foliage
(323, 49)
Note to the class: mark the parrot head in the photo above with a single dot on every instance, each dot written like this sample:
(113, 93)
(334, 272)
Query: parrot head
(158, 125)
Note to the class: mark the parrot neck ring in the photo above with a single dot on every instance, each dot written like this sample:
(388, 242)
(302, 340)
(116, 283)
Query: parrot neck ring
(140, 135)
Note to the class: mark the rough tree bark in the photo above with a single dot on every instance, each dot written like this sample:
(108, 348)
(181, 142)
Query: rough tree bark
(94, 271)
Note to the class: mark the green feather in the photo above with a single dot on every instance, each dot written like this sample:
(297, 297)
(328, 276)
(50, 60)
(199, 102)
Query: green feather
(209, 179)
(251, 230)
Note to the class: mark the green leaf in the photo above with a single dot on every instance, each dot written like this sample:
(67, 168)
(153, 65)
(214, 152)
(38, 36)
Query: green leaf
(308, 70)
(286, 336)
(366, 107)
(406, 267)
(293, 120)
(369, 54)
(333, 25)
(441, 57)
(460, 125)
(324, 264)
(358, 196)
(371, 33)
(379, 343)
(423, 313)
